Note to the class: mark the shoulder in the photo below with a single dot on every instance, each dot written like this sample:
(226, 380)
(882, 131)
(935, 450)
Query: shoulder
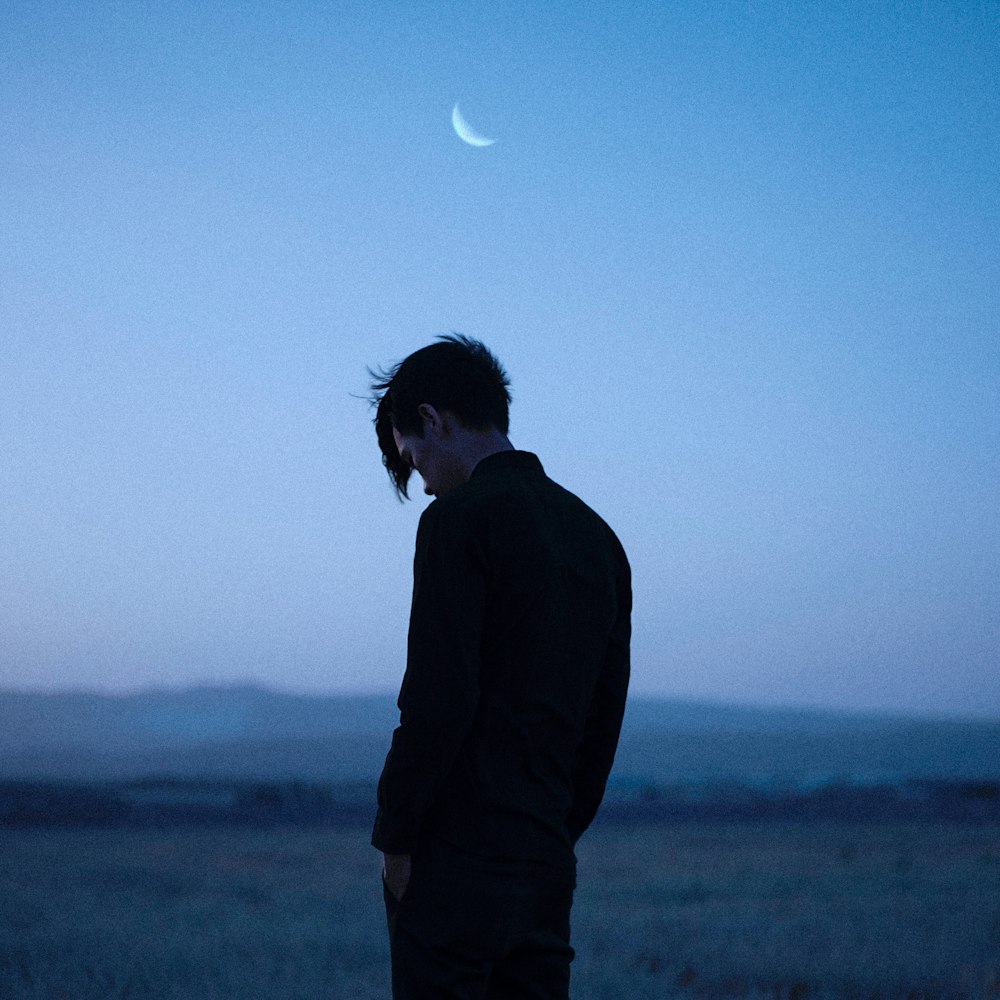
(451, 519)
(586, 513)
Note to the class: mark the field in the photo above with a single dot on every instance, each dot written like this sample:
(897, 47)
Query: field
(778, 910)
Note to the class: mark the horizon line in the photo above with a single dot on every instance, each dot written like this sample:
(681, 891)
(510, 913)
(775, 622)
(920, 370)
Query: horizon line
(646, 696)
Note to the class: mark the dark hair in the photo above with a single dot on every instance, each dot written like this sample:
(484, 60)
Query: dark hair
(458, 374)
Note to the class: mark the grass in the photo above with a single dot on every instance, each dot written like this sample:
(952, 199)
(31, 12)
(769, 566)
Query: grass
(785, 911)
(782, 911)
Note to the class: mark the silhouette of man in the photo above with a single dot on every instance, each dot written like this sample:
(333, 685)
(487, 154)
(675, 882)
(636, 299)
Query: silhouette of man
(512, 699)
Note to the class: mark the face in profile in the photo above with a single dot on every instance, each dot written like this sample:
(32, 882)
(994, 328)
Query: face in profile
(433, 456)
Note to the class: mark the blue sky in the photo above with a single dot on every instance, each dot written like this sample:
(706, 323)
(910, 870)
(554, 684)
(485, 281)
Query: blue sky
(739, 259)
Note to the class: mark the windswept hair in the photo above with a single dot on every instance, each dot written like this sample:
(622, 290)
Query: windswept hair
(458, 374)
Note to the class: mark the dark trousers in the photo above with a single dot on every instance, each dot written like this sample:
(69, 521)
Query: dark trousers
(471, 930)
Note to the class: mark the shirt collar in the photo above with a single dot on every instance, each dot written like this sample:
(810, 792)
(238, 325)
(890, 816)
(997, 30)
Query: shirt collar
(508, 461)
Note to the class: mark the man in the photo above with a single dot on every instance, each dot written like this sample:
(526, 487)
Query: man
(512, 700)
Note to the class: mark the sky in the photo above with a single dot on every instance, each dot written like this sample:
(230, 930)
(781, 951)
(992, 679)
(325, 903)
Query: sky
(739, 259)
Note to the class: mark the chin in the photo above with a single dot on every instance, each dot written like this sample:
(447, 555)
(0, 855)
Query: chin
(441, 489)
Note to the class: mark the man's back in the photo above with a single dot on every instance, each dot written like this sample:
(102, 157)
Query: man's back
(517, 671)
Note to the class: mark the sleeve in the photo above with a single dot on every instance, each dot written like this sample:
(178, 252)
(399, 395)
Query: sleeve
(440, 689)
(604, 719)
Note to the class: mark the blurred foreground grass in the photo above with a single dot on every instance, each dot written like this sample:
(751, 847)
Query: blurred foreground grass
(777, 910)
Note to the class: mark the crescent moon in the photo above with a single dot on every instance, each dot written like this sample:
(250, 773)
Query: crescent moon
(465, 132)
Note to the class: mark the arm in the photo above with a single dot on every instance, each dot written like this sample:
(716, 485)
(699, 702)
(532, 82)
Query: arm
(604, 719)
(440, 690)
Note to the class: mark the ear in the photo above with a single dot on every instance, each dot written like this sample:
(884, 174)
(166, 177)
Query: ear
(430, 416)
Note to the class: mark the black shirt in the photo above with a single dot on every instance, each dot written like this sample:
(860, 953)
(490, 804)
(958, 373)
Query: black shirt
(517, 670)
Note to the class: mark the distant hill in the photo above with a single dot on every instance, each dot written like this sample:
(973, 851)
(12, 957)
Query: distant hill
(253, 734)
(223, 732)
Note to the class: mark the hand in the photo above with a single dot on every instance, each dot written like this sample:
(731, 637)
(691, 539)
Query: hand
(396, 872)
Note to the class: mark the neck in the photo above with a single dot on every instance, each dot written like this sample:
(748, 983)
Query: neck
(477, 445)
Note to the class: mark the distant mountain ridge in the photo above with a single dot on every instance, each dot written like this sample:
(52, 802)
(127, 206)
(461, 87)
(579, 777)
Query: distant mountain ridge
(252, 733)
